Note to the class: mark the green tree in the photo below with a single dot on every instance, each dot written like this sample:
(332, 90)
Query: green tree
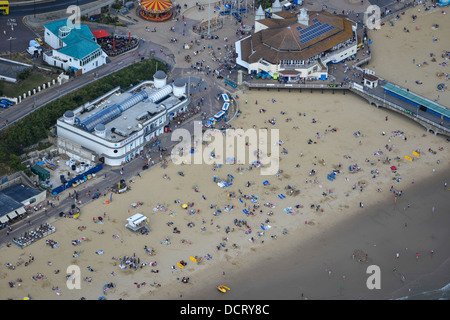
(264, 3)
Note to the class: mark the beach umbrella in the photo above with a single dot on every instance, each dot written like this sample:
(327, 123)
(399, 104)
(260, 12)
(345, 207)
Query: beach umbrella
(393, 168)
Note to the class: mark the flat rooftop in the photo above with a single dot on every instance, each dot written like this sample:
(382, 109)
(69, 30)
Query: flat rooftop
(11, 197)
(125, 123)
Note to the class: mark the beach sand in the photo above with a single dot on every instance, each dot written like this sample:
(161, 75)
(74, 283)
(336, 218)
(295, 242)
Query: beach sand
(410, 52)
(331, 111)
(347, 131)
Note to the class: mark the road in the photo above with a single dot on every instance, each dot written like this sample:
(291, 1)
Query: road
(44, 7)
(106, 178)
(19, 111)
(12, 26)
(102, 183)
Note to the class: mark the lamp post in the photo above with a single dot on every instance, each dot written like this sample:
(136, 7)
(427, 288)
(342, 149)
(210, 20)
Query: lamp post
(209, 18)
(10, 43)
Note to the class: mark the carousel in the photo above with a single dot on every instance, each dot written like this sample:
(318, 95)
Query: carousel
(156, 10)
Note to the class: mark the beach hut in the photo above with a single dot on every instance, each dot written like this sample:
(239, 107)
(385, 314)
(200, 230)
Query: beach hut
(370, 81)
(137, 222)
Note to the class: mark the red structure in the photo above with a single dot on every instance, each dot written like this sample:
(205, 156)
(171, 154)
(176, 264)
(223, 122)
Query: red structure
(156, 10)
(98, 34)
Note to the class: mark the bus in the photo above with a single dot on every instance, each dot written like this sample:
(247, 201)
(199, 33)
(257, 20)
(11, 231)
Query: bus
(4, 8)
(225, 107)
(219, 115)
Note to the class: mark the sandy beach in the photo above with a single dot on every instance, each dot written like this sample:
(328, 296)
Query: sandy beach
(415, 47)
(335, 141)
(304, 245)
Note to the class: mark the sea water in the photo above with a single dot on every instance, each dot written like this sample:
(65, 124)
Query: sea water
(438, 294)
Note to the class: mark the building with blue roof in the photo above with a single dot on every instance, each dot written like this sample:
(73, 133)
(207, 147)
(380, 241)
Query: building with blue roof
(73, 47)
(16, 199)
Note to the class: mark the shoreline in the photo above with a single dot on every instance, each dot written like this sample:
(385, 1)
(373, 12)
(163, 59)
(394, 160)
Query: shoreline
(158, 195)
(302, 275)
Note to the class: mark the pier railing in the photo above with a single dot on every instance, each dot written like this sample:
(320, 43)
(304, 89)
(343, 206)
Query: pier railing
(296, 85)
(385, 102)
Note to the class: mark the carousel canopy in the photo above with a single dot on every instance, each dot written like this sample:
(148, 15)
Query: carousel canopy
(156, 5)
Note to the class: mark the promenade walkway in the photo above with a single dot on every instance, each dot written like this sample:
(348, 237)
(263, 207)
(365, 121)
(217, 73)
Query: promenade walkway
(433, 117)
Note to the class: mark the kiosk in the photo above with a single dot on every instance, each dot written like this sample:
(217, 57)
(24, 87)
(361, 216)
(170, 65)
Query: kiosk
(137, 222)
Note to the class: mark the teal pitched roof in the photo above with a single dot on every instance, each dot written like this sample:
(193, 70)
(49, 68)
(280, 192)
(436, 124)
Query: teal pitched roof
(80, 49)
(79, 43)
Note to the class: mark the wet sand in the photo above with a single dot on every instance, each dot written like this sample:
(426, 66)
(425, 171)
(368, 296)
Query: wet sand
(302, 268)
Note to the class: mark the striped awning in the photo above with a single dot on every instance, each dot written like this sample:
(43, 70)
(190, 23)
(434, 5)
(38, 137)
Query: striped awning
(156, 5)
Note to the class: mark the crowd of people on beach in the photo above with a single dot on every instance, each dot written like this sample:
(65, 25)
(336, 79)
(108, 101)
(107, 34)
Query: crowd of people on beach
(33, 235)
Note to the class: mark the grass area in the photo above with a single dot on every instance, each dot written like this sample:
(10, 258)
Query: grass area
(35, 79)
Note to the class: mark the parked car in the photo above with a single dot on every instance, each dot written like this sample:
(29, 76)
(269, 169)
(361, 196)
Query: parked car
(39, 40)
(7, 102)
(2, 105)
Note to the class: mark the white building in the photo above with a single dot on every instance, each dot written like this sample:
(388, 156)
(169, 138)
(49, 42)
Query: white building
(72, 47)
(290, 47)
(115, 127)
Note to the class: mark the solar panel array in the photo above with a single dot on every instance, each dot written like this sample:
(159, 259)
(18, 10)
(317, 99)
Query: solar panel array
(313, 31)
